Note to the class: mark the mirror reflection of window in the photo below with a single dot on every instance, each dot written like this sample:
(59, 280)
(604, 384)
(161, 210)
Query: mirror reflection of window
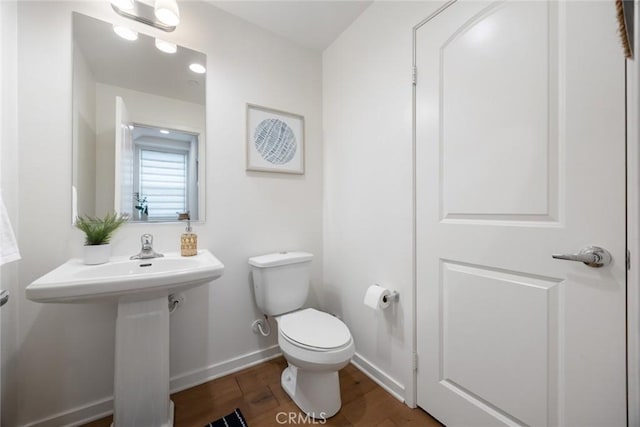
(165, 173)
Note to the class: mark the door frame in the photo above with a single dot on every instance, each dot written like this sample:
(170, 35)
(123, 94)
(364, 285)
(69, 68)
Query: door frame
(633, 232)
(411, 398)
(632, 226)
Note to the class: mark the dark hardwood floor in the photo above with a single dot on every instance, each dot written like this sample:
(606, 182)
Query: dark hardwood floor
(257, 392)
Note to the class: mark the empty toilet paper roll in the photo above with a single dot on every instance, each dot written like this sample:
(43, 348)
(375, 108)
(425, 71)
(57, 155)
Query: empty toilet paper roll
(377, 297)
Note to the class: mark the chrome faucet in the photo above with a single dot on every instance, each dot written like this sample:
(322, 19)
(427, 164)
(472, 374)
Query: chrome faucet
(147, 248)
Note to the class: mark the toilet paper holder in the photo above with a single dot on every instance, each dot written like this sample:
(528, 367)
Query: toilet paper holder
(394, 297)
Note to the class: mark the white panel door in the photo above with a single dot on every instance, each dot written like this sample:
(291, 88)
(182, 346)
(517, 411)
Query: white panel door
(520, 142)
(123, 199)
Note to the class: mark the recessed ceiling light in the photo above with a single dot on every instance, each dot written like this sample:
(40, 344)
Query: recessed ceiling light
(197, 68)
(125, 33)
(164, 131)
(123, 4)
(167, 12)
(166, 46)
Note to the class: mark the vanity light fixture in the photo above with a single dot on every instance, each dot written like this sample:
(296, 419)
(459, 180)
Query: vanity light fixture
(167, 12)
(163, 14)
(125, 33)
(197, 68)
(166, 46)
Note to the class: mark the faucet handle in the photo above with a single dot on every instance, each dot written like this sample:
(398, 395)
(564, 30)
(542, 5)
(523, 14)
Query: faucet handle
(146, 240)
(147, 248)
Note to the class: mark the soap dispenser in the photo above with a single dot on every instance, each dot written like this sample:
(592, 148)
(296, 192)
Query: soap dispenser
(188, 240)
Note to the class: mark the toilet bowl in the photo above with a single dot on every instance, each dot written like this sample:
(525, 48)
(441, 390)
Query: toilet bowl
(316, 345)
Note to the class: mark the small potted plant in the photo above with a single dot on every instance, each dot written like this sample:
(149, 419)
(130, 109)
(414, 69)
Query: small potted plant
(142, 206)
(98, 232)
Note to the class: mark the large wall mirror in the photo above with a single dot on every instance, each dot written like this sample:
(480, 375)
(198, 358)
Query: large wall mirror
(138, 124)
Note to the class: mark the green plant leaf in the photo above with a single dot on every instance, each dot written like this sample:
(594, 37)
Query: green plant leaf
(98, 231)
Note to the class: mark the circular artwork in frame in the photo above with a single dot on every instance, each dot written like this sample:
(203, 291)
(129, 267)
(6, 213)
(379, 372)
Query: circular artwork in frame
(275, 140)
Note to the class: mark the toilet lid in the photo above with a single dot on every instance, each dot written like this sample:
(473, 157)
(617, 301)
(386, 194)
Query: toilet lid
(314, 328)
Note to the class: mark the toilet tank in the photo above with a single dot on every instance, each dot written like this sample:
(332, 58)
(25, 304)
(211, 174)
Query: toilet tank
(281, 281)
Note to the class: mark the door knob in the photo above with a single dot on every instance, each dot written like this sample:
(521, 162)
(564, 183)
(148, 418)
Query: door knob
(593, 256)
(4, 297)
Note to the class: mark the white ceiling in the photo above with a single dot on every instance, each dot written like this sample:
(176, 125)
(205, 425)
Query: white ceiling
(310, 23)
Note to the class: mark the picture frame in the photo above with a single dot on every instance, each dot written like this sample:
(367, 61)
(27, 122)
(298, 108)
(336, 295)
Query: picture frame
(275, 141)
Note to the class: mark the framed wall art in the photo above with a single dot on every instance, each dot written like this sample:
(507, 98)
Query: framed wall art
(275, 140)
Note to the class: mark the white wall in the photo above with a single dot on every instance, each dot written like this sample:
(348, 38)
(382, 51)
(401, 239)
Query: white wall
(9, 189)
(143, 108)
(368, 215)
(66, 351)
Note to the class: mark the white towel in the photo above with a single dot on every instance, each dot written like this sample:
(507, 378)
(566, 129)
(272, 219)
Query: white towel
(8, 246)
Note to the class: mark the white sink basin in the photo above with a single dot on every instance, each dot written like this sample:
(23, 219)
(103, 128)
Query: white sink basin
(141, 370)
(74, 281)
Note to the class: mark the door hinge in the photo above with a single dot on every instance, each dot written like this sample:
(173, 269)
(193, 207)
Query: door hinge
(414, 75)
(414, 362)
(628, 259)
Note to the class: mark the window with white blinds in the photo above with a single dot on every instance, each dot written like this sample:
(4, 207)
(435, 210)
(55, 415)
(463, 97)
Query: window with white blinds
(163, 181)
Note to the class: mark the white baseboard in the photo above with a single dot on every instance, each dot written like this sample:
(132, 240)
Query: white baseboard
(379, 377)
(104, 407)
(199, 376)
(78, 415)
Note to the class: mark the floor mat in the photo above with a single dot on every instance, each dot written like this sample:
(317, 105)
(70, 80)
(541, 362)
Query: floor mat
(234, 419)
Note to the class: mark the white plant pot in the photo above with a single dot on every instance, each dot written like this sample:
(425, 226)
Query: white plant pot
(97, 254)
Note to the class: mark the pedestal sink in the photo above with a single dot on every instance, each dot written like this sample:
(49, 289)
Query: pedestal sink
(141, 288)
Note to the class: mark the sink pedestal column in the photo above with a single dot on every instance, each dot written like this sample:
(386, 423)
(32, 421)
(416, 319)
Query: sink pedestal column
(141, 384)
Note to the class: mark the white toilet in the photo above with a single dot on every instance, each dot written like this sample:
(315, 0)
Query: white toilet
(315, 344)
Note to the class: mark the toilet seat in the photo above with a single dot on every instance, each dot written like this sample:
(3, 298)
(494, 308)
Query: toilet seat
(314, 330)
